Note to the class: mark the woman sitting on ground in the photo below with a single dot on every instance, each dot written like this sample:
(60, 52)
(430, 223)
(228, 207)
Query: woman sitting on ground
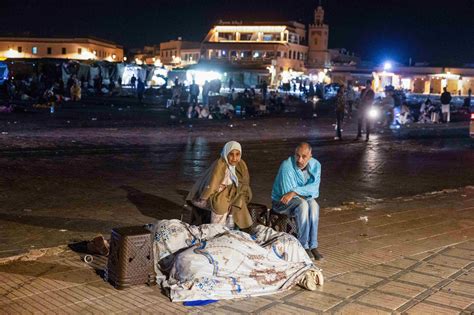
(224, 189)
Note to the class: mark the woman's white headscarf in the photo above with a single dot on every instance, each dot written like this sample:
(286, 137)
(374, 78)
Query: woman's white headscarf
(228, 147)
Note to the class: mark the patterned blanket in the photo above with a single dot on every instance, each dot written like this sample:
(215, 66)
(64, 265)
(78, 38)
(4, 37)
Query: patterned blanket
(212, 262)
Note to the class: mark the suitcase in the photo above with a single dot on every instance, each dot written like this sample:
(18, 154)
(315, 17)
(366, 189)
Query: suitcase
(130, 259)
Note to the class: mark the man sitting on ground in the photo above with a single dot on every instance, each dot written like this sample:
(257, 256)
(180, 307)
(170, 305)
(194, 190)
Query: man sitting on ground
(294, 193)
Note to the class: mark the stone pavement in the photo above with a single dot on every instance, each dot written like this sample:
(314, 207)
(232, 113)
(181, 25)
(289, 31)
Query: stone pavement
(405, 255)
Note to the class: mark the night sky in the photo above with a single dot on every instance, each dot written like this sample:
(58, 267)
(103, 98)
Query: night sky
(440, 32)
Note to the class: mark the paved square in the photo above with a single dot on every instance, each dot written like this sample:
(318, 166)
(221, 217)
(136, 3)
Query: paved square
(438, 279)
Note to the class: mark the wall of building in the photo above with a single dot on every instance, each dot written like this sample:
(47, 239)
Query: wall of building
(175, 51)
(80, 49)
(425, 80)
(190, 56)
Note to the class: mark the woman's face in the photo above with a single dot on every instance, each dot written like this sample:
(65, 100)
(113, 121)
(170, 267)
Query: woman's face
(233, 157)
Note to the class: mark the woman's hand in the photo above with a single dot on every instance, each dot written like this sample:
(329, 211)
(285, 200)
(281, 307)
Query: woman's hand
(201, 203)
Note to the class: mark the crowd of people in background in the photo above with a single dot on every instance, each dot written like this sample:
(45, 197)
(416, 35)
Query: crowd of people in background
(46, 90)
(393, 106)
(212, 100)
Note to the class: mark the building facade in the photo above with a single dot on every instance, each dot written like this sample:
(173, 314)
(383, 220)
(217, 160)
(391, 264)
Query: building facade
(281, 45)
(60, 48)
(425, 80)
(414, 79)
(179, 52)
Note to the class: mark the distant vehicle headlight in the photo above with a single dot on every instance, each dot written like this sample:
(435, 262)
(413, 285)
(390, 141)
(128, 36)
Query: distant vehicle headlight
(373, 113)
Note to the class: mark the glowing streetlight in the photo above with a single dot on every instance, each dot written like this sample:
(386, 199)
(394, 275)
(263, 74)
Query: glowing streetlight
(387, 65)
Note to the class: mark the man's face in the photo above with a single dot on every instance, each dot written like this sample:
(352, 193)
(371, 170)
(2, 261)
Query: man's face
(302, 156)
(233, 157)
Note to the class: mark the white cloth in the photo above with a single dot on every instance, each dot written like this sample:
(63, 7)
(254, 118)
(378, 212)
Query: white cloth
(228, 147)
(227, 179)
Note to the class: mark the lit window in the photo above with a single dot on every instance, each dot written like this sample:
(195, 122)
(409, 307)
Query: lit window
(34, 50)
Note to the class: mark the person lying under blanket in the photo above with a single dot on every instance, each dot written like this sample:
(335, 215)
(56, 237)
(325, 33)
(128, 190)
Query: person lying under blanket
(211, 262)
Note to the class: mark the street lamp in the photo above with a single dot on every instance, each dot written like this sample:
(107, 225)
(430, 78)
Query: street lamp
(387, 65)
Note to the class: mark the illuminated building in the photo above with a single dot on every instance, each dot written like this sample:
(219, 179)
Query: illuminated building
(414, 79)
(257, 45)
(60, 48)
(148, 55)
(425, 80)
(179, 52)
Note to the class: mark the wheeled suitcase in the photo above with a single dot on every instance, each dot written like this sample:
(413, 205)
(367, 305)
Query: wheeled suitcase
(130, 259)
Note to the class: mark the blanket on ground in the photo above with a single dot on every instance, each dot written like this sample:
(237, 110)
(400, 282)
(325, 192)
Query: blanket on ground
(212, 262)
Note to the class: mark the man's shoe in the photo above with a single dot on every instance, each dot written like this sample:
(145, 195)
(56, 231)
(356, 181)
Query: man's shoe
(316, 254)
(310, 254)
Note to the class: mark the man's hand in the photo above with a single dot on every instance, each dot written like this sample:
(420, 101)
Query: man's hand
(287, 197)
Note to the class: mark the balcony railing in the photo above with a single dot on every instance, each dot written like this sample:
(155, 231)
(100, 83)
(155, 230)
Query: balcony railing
(243, 60)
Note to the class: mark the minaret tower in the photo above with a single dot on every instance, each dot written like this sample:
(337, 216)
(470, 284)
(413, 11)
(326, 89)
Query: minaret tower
(318, 35)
